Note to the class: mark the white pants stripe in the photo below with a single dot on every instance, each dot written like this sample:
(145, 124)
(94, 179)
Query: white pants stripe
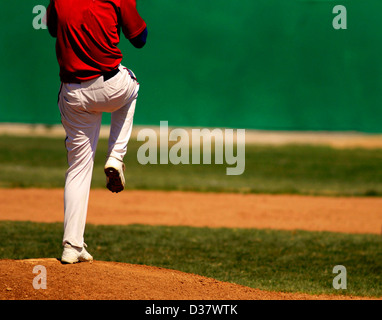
(81, 107)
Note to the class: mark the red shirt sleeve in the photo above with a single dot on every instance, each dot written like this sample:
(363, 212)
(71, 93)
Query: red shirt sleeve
(132, 23)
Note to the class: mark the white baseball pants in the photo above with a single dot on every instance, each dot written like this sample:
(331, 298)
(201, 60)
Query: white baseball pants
(81, 107)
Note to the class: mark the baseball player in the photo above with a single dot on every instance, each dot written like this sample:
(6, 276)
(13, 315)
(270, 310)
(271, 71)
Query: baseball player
(93, 81)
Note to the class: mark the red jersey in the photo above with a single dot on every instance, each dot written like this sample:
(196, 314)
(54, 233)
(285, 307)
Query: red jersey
(88, 33)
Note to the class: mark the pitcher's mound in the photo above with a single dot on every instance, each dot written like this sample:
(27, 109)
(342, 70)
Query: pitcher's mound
(102, 280)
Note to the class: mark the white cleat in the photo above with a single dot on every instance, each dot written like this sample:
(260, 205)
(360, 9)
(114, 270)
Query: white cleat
(73, 254)
(115, 180)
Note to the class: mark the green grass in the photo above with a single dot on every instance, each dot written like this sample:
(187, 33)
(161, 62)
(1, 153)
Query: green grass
(316, 170)
(290, 261)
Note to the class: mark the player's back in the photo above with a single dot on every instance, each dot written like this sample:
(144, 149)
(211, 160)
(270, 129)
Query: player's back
(87, 38)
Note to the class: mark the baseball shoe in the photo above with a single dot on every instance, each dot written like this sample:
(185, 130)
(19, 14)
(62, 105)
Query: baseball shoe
(115, 180)
(73, 254)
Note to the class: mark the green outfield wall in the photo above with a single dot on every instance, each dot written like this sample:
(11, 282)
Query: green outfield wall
(257, 64)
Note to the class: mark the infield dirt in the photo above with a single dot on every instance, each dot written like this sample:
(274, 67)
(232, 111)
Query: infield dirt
(111, 280)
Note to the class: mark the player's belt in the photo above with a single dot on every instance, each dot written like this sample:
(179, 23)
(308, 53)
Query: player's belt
(110, 74)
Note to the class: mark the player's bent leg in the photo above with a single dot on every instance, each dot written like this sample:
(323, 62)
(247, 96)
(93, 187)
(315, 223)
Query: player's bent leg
(120, 129)
(120, 132)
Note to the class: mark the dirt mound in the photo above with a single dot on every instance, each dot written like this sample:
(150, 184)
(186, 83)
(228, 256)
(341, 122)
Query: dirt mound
(121, 281)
